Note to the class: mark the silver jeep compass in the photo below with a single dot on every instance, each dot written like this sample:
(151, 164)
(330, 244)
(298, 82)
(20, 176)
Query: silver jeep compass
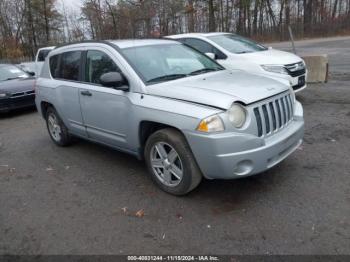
(170, 105)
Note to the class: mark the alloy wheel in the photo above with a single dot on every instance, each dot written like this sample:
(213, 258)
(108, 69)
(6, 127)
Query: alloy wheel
(166, 164)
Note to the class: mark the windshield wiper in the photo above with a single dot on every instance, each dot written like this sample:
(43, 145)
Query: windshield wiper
(244, 52)
(10, 78)
(166, 77)
(203, 70)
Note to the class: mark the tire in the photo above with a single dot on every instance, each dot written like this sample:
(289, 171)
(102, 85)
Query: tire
(160, 164)
(56, 128)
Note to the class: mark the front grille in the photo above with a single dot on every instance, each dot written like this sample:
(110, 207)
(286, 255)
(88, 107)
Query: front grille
(297, 73)
(25, 93)
(273, 114)
(296, 69)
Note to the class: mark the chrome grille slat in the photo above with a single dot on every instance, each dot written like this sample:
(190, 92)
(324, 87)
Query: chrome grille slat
(266, 118)
(263, 123)
(258, 121)
(291, 107)
(282, 112)
(273, 115)
(287, 108)
(278, 113)
(24, 93)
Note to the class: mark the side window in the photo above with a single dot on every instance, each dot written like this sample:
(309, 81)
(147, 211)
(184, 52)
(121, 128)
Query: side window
(97, 64)
(182, 40)
(200, 45)
(205, 47)
(70, 65)
(54, 65)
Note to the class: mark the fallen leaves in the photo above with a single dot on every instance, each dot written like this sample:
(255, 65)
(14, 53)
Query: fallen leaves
(140, 213)
(179, 216)
(8, 168)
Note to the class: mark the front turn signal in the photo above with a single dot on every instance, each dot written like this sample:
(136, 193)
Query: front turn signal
(211, 124)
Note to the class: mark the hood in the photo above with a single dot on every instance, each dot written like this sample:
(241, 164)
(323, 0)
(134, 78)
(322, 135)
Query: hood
(220, 89)
(272, 57)
(17, 85)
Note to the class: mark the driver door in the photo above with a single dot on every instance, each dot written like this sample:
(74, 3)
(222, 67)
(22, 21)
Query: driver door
(104, 109)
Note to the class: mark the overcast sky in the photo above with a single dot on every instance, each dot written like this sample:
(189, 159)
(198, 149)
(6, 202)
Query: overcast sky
(70, 4)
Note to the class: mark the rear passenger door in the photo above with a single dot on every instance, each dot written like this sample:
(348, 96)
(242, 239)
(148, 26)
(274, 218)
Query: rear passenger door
(104, 109)
(65, 68)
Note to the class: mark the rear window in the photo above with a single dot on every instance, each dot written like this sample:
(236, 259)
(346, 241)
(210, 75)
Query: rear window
(66, 65)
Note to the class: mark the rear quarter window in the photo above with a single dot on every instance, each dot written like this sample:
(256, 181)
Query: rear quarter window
(54, 65)
(70, 65)
(66, 65)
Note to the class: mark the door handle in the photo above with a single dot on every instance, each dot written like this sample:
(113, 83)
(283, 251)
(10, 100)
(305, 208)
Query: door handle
(85, 93)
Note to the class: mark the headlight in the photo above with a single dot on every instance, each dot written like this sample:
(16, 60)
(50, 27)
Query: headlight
(211, 124)
(275, 69)
(237, 115)
(3, 95)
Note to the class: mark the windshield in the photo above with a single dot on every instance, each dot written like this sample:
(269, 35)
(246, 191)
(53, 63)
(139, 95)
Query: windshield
(165, 62)
(8, 72)
(237, 44)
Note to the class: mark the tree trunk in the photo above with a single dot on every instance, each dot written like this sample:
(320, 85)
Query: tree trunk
(33, 43)
(335, 9)
(47, 29)
(240, 17)
(113, 19)
(280, 22)
(255, 17)
(307, 16)
(190, 16)
(212, 27)
(271, 13)
(287, 15)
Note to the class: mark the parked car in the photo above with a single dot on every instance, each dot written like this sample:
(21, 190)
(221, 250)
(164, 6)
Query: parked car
(169, 104)
(236, 52)
(35, 67)
(16, 88)
(29, 68)
(41, 54)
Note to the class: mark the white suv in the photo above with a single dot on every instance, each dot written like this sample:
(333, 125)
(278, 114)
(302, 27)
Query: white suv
(236, 52)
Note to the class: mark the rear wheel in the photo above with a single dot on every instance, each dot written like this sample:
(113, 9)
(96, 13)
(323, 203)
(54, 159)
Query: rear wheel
(57, 130)
(171, 163)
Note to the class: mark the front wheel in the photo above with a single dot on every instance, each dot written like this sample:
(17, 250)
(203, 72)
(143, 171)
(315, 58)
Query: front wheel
(171, 163)
(57, 130)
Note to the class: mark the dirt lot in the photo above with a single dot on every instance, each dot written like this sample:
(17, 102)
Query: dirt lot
(83, 199)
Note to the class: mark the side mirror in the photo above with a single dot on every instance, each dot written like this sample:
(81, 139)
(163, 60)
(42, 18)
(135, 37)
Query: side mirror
(30, 73)
(211, 55)
(115, 80)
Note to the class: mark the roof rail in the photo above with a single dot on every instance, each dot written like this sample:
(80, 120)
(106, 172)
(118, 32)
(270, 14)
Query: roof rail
(85, 41)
